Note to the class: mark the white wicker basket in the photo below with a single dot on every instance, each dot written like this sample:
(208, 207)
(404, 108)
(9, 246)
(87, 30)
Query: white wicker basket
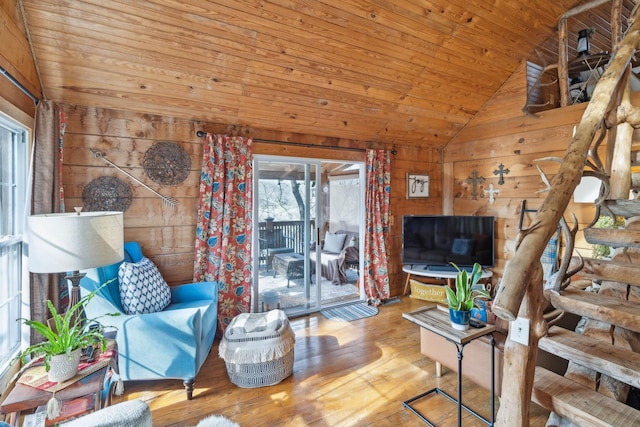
(258, 349)
(252, 375)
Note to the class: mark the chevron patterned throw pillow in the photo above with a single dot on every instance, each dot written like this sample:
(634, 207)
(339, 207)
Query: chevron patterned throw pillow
(142, 288)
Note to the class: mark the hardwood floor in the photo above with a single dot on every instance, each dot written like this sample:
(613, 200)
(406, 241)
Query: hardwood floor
(345, 374)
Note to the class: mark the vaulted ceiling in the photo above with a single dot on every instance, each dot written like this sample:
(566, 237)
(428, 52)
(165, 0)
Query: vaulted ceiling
(414, 71)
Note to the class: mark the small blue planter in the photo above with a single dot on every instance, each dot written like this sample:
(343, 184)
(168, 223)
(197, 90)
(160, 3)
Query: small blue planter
(459, 319)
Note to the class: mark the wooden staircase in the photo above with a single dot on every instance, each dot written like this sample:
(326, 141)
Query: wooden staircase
(604, 361)
(579, 402)
(575, 398)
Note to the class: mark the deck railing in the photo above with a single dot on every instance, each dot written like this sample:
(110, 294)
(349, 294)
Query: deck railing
(292, 231)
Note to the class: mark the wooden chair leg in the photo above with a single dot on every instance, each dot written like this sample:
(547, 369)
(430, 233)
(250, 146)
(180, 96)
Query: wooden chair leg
(188, 387)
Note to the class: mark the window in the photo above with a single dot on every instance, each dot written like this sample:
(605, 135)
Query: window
(13, 191)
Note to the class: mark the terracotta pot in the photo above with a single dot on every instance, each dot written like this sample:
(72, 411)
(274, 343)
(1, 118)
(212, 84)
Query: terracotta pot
(63, 367)
(459, 319)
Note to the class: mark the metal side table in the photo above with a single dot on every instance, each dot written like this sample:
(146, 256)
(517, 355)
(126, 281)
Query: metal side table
(436, 319)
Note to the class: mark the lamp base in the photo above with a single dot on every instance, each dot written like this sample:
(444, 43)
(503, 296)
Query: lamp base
(74, 296)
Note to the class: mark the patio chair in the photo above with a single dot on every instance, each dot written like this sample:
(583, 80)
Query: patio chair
(274, 242)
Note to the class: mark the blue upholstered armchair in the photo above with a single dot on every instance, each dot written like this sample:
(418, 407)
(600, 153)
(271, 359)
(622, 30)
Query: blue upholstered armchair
(172, 343)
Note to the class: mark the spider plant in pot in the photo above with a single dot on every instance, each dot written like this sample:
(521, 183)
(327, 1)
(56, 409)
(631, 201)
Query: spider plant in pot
(464, 298)
(65, 337)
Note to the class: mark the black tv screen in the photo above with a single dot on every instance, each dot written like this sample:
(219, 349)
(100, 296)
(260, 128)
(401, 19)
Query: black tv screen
(439, 240)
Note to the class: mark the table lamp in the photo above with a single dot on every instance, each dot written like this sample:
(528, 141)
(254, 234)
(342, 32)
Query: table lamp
(69, 242)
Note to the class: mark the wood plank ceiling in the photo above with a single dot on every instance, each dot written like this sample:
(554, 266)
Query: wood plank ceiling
(411, 71)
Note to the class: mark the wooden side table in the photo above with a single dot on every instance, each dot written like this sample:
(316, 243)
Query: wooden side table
(436, 320)
(23, 397)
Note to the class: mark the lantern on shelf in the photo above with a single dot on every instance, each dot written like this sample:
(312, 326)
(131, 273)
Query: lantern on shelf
(583, 42)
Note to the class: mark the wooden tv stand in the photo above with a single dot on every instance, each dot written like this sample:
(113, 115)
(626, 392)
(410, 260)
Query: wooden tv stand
(444, 277)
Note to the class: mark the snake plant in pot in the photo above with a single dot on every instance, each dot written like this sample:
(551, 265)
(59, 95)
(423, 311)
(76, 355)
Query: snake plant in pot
(466, 295)
(65, 337)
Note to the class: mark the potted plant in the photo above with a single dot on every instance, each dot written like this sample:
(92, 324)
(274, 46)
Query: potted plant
(467, 292)
(65, 337)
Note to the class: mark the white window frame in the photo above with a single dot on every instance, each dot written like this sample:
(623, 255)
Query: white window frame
(360, 173)
(14, 300)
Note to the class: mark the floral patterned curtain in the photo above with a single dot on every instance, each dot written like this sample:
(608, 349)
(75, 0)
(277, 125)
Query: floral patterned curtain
(376, 275)
(223, 230)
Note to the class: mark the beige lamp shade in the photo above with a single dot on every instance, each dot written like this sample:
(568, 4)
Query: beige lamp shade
(62, 242)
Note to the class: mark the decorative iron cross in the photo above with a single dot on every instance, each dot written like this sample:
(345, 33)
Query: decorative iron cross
(491, 192)
(474, 180)
(501, 171)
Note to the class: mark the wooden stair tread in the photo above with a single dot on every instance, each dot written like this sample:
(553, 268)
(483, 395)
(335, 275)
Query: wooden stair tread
(617, 362)
(624, 208)
(578, 404)
(614, 237)
(599, 307)
(611, 271)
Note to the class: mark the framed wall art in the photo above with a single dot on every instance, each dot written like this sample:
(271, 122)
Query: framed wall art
(417, 186)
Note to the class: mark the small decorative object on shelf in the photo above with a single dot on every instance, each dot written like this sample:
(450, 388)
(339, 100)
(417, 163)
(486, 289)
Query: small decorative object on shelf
(467, 292)
(583, 42)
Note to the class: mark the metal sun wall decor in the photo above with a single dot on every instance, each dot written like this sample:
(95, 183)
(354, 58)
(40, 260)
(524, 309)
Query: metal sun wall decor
(167, 163)
(106, 193)
(474, 180)
(167, 200)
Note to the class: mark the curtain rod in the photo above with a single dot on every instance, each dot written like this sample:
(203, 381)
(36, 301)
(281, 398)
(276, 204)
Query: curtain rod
(19, 85)
(201, 134)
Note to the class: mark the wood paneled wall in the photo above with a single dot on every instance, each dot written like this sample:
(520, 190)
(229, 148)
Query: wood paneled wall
(502, 134)
(16, 59)
(167, 235)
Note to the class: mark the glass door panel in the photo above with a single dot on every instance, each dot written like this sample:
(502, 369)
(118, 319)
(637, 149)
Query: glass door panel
(285, 210)
(298, 203)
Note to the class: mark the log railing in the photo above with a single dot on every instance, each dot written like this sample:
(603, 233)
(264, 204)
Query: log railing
(559, 71)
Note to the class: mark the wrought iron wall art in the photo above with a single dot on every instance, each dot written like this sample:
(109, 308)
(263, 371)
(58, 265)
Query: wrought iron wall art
(474, 180)
(106, 193)
(167, 200)
(502, 172)
(167, 163)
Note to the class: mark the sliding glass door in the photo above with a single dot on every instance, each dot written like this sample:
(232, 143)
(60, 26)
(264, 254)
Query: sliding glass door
(298, 204)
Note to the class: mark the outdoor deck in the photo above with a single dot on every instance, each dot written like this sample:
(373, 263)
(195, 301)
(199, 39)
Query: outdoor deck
(292, 298)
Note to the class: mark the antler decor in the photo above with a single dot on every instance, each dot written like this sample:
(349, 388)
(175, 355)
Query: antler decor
(562, 278)
(167, 200)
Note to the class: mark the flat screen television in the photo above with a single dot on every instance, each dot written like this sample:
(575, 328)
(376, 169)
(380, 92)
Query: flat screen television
(435, 241)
